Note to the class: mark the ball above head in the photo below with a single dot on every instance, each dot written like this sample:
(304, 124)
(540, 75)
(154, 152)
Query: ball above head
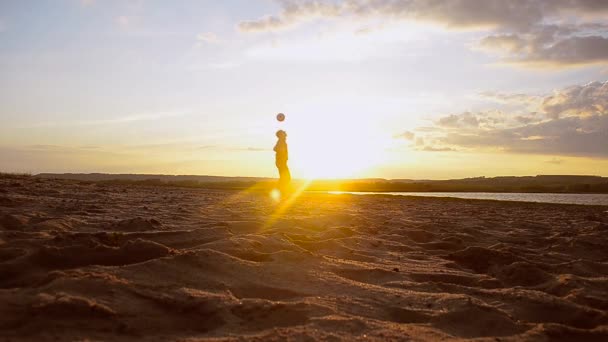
(280, 117)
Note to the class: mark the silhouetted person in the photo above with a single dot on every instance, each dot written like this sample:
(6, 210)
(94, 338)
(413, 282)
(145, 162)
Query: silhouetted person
(282, 155)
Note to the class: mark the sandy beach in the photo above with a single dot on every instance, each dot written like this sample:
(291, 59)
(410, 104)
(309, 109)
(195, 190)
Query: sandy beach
(87, 261)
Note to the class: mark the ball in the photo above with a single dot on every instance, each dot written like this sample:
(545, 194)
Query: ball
(280, 117)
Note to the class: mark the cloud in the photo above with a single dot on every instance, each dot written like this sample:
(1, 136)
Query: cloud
(293, 13)
(588, 99)
(465, 119)
(470, 120)
(44, 147)
(87, 3)
(572, 50)
(510, 43)
(573, 136)
(268, 23)
(118, 120)
(577, 100)
(528, 32)
(407, 135)
(463, 14)
(419, 143)
(248, 149)
(511, 98)
(208, 37)
(123, 21)
(550, 45)
(436, 149)
(572, 121)
(528, 118)
(555, 161)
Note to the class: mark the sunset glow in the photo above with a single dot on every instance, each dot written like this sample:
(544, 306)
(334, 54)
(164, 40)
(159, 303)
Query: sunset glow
(304, 170)
(335, 146)
(408, 90)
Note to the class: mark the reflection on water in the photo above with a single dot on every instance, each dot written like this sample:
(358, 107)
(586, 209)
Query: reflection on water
(587, 199)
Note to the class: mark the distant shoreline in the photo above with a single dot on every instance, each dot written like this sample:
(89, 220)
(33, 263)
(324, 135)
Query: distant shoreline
(588, 199)
(557, 184)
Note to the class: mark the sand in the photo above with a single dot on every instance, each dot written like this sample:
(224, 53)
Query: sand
(84, 261)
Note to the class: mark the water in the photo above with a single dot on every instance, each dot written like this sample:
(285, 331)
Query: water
(586, 199)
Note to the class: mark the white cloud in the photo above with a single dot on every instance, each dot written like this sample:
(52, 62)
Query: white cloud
(571, 121)
(583, 100)
(527, 32)
(117, 120)
(208, 37)
(572, 136)
(87, 3)
(407, 135)
(123, 21)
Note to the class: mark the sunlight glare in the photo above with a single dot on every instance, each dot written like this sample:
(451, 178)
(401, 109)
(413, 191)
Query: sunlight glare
(275, 194)
(335, 146)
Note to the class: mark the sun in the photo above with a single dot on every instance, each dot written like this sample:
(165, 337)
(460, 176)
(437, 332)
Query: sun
(334, 147)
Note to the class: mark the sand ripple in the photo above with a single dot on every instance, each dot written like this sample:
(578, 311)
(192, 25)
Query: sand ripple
(103, 262)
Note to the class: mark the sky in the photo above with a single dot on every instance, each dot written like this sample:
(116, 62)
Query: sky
(370, 88)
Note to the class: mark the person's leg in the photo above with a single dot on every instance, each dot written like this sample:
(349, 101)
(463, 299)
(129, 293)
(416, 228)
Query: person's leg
(281, 175)
(280, 169)
(284, 176)
(287, 174)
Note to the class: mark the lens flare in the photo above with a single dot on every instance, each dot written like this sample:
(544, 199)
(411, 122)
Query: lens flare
(275, 194)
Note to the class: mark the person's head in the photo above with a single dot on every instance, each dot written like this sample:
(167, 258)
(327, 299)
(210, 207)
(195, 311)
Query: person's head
(281, 134)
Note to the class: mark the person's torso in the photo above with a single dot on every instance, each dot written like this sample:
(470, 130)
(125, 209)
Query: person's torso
(281, 151)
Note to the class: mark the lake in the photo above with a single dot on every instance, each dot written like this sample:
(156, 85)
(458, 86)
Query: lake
(586, 199)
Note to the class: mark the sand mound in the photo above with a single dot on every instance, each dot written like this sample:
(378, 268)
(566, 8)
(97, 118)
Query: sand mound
(7, 202)
(558, 332)
(13, 222)
(523, 274)
(420, 235)
(88, 262)
(80, 255)
(137, 224)
(66, 306)
(471, 319)
(53, 224)
(481, 260)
